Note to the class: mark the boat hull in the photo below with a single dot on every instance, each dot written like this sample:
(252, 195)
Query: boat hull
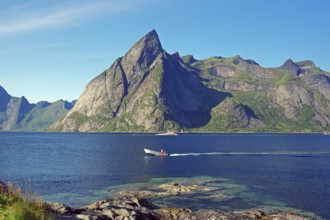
(155, 153)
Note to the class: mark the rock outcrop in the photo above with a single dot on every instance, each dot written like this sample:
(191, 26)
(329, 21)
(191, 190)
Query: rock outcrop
(137, 204)
(320, 82)
(291, 97)
(133, 206)
(140, 208)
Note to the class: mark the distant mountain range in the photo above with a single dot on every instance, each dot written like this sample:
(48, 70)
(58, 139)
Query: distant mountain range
(17, 114)
(149, 90)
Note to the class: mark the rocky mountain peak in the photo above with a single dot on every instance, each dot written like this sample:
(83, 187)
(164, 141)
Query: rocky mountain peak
(42, 104)
(250, 61)
(25, 105)
(3, 92)
(4, 99)
(306, 63)
(237, 59)
(145, 51)
(189, 59)
(152, 37)
(289, 64)
(299, 68)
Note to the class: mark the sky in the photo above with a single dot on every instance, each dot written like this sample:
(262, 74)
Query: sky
(50, 50)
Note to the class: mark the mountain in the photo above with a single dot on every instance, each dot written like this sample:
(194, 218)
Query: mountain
(150, 90)
(17, 114)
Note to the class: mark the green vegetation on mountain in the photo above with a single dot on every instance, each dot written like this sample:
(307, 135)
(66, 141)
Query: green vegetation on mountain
(149, 90)
(17, 114)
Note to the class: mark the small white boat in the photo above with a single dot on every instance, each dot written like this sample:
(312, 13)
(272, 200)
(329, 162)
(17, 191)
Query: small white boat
(169, 133)
(155, 153)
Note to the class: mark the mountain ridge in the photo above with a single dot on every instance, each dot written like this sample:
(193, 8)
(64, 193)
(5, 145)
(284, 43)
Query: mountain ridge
(18, 114)
(150, 90)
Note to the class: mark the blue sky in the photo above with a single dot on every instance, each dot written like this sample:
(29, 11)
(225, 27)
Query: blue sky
(50, 50)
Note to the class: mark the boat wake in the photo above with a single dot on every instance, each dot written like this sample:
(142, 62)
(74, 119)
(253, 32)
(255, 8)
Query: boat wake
(298, 154)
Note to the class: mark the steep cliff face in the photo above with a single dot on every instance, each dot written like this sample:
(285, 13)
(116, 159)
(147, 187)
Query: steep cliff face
(20, 115)
(291, 97)
(320, 82)
(146, 90)
(13, 110)
(150, 90)
(4, 99)
(105, 98)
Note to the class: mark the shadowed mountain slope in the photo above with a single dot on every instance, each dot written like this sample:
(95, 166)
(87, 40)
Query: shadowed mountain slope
(150, 90)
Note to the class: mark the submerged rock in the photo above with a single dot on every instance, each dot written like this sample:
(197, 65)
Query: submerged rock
(137, 204)
(176, 188)
(164, 190)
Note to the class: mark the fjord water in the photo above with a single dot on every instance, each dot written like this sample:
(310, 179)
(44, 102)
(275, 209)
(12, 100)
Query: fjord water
(254, 170)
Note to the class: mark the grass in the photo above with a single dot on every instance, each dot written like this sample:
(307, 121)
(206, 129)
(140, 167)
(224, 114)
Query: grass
(41, 118)
(222, 121)
(273, 117)
(78, 117)
(285, 78)
(14, 205)
(118, 124)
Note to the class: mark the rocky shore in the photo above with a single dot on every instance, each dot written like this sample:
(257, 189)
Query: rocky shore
(137, 205)
(124, 208)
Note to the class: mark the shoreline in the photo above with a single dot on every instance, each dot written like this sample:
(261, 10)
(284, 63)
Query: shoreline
(123, 208)
(164, 134)
(139, 205)
(128, 203)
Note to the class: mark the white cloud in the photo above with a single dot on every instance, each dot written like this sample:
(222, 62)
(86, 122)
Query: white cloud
(32, 47)
(31, 17)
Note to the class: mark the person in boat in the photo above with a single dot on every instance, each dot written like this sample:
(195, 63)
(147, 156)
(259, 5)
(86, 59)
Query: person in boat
(162, 151)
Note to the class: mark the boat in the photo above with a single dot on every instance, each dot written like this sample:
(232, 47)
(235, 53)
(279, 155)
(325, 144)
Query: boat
(155, 153)
(169, 133)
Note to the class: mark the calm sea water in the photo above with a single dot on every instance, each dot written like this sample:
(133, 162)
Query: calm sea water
(252, 170)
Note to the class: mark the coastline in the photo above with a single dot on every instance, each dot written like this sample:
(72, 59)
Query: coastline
(123, 208)
(165, 134)
(139, 205)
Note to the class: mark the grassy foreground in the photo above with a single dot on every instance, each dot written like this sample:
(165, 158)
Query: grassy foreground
(14, 205)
